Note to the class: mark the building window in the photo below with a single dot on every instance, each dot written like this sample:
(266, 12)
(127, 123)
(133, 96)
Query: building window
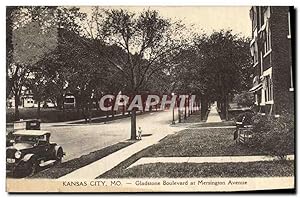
(268, 89)
(263, 14)
(254, 52)
(256, 99)
(266, 14)
(253, 15)
(260, 17)
(267, 41)
(289, 22)
(267, 29)
(255, 57)
(261, 63)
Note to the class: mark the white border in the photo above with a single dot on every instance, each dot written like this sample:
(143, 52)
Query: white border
(4, 3)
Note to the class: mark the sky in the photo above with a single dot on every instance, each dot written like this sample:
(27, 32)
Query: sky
(205, 18)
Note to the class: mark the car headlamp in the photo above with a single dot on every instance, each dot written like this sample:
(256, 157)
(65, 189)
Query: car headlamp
(18, 154)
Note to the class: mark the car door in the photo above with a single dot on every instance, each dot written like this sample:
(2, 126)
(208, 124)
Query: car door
(43, 149)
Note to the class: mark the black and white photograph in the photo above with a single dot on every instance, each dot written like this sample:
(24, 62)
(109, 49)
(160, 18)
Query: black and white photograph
(150, 98)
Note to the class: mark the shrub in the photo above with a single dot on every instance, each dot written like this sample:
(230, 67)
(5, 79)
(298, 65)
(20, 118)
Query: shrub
(244, 99)
(273, 135)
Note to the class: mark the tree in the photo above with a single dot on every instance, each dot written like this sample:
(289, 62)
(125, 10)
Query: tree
(35, 33)
(147, 40)
(212, 67)
(85, 69)
(10, 11)
(37, 86)
(228, 63)
(30, 44)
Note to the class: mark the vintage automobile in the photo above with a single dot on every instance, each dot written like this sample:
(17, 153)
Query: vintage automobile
(31, 150)
(29, 124)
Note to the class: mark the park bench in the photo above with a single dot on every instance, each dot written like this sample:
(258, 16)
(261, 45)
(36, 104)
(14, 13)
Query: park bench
(243, 132)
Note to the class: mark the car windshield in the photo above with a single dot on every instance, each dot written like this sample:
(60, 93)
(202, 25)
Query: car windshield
(28, 139)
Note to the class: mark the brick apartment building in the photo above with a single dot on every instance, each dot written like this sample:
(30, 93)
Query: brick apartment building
(271, 49)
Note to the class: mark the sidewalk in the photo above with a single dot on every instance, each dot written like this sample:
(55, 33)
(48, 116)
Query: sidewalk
(76, 122)
(105, 118)
(213, 115)
(105, 164)
(200, 160)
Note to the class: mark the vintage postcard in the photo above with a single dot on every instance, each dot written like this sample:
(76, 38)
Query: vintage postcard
(150, 99)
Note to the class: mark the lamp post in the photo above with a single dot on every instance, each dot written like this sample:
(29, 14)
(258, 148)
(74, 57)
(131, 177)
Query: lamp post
(173, 120)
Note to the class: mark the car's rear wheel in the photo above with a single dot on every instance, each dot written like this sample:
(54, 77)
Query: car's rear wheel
(59, 156)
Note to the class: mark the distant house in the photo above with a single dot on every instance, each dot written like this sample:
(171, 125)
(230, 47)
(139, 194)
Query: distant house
(28, 101)
(27, 98)
(271, 49)
(69, 101)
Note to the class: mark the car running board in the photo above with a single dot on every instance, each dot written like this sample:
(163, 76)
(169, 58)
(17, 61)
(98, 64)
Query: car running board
(46, 163)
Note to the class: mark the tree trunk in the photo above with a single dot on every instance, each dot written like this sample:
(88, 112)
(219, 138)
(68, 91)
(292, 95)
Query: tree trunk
(179, 115)
(133, 124)
(84, 114)
(39, 110)
(107, 115)
(17, 113)
(90, 111)
(203, 107)
(199, 109)
(226, 106)
(189, 108)
(112, 109)
(185, 110)
(77, 108)
(59, 102)
(112, 114)
(62, 102)
(192, 107)
(123, 110)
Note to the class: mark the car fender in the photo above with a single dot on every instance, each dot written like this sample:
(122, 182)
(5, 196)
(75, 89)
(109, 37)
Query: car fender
(27, 157)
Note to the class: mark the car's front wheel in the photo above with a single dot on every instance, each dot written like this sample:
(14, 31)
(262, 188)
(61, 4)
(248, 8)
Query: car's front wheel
(32, 167)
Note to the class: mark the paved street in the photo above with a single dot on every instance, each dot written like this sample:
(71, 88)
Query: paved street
(81, 139)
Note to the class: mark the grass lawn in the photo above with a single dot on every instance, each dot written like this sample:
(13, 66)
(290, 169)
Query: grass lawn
(214, 124)
(197, 143)
(195, 117)
(50, 114)
(200, 143)
(182, 170)
(71, 165)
